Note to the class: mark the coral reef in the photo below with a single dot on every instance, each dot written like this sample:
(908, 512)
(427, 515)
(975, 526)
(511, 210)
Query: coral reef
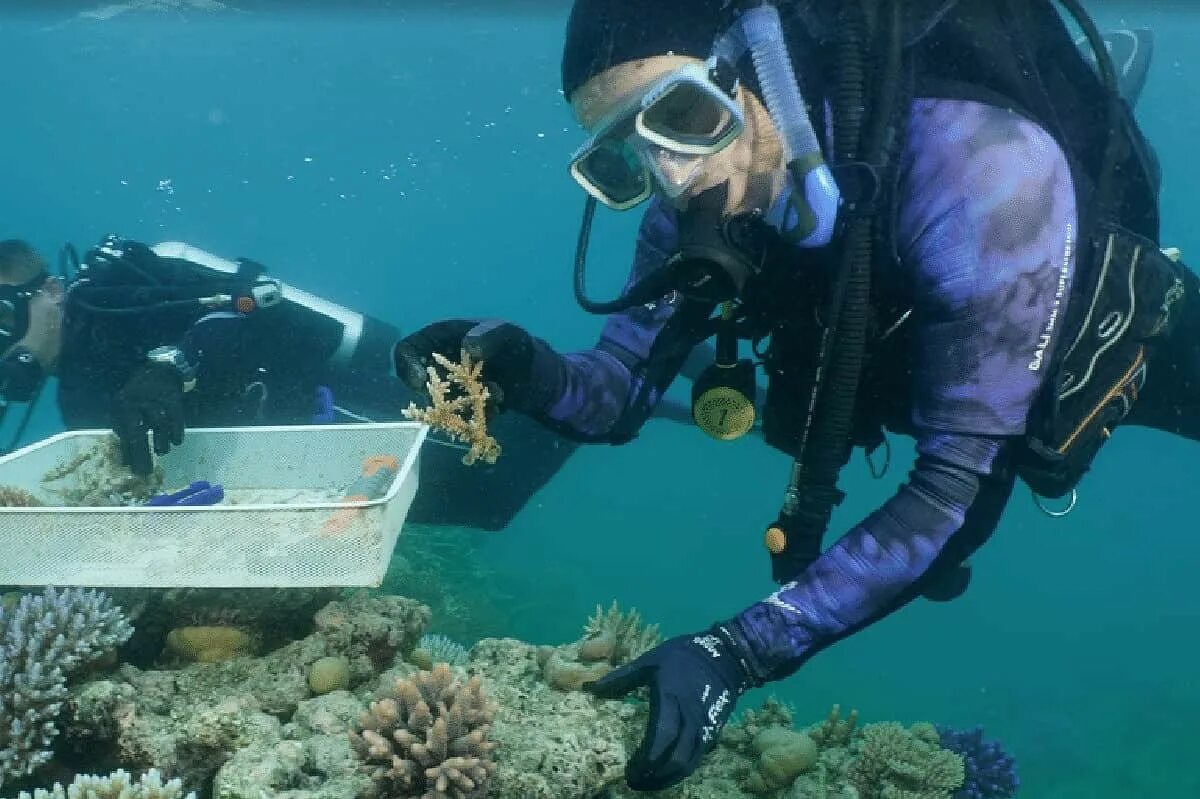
(616, 637)
(895, 763)
(740, 733)
(834, 730)
(991, 772)
(96, 477)
(434, 648)
(118, 785)
(458, 407)
(12, 497)
(430, 738)
(271, 616)
(190, 721)
(610, 638)
(252, 728)
(551, 745)
(45, 638)
(372, 631)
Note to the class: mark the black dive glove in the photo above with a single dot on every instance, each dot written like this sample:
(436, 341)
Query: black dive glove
(520, 371)
(151, 401)
(694, 681)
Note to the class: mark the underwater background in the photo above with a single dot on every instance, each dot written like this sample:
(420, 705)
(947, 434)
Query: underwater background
(410, 163)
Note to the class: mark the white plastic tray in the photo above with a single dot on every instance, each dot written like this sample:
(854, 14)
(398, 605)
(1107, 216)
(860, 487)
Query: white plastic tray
(283, 485)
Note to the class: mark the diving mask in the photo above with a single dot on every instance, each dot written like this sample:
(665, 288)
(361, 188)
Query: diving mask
(660, 138)
(14, 307)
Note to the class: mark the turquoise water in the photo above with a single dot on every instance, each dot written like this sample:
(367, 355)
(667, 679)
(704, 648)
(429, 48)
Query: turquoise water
(412, 165)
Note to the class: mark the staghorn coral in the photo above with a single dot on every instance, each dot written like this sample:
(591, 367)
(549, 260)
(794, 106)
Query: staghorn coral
(118, 785)
(44, 638)
(12, 497)
(464, 416)
(430, 739)
(96, 477)
(895, 763)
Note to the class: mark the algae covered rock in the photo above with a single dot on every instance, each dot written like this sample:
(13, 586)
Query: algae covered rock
(371, 631)
(550, 744)
(313, 760)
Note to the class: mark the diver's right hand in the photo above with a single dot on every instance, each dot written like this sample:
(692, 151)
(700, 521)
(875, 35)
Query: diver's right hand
(152, 401)
(507, 351)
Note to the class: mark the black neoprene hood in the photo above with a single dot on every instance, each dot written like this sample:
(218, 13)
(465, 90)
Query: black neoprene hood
(604, 33)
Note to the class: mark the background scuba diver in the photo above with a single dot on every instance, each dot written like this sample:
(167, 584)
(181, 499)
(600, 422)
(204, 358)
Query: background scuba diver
(970, 289)
(296, 361)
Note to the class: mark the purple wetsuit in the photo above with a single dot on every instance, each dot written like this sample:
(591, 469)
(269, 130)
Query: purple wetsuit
(986, 233)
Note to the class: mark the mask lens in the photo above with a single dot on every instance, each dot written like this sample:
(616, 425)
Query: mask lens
(689, 115)
(8, 320)
(615, 173)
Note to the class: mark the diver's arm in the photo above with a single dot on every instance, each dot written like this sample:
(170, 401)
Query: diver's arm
(607, 392)
(947, 509)
(987, 234)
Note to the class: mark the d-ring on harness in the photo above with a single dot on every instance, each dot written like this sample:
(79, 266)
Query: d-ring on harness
(1040, 501)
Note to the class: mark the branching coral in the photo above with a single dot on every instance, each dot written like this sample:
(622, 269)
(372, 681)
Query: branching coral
(11, 497)
(117, 785)
(610, 638)
(834, 730)
(458, 406)
(616, 636)
(895, 763)
(43, 638)
(430, 739)
(96, 477)
(990, 771)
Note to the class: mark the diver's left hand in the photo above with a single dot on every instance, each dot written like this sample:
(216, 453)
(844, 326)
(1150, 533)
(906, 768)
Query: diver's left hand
(152, 401)
(694, 682)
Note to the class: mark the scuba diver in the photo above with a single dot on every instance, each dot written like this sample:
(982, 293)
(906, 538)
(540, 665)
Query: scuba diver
(928, 217)
(148, 340)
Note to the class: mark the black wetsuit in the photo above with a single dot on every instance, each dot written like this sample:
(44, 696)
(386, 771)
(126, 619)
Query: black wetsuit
(267, 367)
